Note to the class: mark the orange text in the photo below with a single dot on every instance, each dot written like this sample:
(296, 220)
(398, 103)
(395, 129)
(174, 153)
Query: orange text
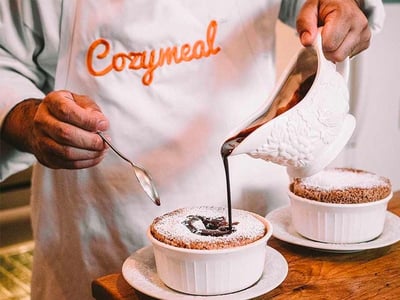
(149, 60)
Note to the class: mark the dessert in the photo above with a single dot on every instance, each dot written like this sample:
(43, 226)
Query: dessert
(206, 228)
(340, 205)
(342, 185)
(197, 252)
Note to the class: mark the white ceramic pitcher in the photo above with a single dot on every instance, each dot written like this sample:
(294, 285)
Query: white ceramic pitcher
(304, 136)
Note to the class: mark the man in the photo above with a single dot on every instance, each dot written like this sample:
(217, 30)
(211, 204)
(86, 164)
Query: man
(167, 81)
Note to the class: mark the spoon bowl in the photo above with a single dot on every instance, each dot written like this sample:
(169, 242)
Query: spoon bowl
(142, 175)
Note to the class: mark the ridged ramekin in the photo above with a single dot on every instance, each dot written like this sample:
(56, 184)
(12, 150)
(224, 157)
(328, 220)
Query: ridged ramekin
(338, 223)
(211, 272)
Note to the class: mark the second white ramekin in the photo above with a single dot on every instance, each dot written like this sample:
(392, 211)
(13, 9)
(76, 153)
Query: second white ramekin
(338, 223)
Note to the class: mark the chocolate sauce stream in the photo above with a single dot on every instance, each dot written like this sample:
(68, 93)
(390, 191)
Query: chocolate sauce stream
(228, 190)
(226, 151)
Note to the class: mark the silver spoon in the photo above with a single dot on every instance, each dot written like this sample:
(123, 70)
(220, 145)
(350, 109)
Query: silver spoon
(142, 176)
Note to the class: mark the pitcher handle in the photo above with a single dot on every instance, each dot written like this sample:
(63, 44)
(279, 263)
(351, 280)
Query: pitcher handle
(343, 68)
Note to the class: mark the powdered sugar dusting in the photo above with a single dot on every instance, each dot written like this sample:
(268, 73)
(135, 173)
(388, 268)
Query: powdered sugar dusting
(171, 225)
(335, 179)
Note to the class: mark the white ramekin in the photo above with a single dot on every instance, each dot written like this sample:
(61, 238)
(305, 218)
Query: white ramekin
(338, 223)
(211, 272)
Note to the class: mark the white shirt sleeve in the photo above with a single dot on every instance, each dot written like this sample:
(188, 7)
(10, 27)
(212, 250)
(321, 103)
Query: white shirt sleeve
(27, 60)
(375, 13)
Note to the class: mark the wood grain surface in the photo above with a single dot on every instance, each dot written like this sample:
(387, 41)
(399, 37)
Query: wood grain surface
(369, 274)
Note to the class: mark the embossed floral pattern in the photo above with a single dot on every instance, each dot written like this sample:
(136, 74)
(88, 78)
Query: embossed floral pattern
(300, 134)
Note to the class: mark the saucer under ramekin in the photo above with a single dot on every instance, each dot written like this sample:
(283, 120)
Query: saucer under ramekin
(338, 223)
(211, 272)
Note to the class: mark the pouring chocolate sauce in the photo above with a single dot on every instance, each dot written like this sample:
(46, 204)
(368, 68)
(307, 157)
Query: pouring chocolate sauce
(292, 91)
(316, 81)
(275, 109)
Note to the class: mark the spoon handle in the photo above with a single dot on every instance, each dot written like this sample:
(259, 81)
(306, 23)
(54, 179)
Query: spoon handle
(112, 147)
(142, 176)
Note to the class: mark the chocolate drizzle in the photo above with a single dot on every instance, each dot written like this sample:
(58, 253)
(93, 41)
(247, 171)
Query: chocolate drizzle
(272, 112)
(212, 226)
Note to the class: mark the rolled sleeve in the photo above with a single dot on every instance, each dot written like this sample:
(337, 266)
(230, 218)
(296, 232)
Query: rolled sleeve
(27, 66)
(375, 12)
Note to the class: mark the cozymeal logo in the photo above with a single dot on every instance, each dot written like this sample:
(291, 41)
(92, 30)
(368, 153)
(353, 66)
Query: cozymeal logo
(99, 53)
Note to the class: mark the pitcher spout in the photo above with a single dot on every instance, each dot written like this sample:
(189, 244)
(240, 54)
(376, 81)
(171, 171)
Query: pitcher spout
(291, 90)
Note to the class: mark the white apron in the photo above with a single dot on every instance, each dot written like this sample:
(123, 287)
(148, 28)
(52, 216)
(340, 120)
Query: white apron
(174, 78)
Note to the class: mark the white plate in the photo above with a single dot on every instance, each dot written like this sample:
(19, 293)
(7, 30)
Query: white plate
(284, 230)
(139, 270)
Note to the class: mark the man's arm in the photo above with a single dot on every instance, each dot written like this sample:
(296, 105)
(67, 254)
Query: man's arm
(58, 130)
(20, 77)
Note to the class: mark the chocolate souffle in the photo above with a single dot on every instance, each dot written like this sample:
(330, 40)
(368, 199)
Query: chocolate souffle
(342, 186)
(206, 228)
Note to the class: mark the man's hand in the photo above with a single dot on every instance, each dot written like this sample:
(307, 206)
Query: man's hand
(345, 30)
(60, 130)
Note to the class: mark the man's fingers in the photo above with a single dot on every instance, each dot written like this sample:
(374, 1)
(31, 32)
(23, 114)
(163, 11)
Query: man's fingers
(63, 133)
(95, 118)
(56, 155)
(76, 110)
(307, 23)
(350, 46)
(345, 30)
(345, 43)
